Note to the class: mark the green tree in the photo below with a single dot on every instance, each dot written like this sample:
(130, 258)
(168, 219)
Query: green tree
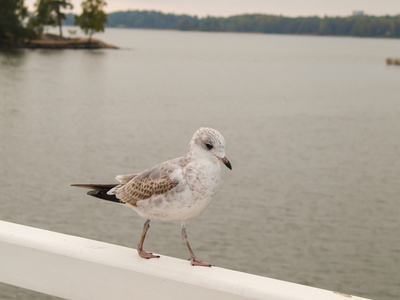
(48, 12)
(12, 13)
(43, 16)
(187, 23)
(57, 6)
(93, 17)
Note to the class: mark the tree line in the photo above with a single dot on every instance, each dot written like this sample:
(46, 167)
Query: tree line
(361, 25)
(18, 25)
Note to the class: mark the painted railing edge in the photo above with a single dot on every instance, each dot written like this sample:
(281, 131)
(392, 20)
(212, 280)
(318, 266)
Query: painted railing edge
(77, 268)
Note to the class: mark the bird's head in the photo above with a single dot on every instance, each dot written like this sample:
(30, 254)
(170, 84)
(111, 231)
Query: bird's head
(210, 143)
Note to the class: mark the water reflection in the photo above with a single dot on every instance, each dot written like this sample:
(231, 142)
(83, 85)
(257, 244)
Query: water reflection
(311, 126)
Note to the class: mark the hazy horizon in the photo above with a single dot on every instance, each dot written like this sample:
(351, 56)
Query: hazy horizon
(224, 8)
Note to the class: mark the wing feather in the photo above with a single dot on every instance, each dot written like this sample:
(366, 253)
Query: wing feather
(125, 178)
(136, 190)
(154, 181)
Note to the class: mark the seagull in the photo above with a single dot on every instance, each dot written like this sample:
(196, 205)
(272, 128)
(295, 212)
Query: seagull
(177, 189)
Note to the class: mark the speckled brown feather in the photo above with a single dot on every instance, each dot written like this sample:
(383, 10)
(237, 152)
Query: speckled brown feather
(136, 190)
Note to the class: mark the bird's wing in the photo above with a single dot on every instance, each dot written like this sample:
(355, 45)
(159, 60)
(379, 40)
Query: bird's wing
(154, 181)
(125, 178)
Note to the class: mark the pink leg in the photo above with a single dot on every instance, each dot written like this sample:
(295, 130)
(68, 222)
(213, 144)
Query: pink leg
(193, 260)
(140, 250)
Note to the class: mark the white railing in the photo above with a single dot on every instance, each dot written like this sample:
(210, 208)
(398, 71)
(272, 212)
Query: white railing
(77, 268)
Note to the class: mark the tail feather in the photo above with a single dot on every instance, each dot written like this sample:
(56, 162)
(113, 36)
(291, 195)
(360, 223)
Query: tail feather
(100, 191)
(95, 186)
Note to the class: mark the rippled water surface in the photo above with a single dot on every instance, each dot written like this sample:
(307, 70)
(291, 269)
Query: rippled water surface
(312, 129)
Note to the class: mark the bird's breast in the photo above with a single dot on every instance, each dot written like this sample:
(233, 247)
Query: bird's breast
(198, 183)
(203, 179)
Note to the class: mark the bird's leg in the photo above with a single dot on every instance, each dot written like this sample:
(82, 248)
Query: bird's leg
(140, 250)
(193, 260)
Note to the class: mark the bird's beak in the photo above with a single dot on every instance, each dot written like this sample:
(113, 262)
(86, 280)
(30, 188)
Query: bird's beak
(226, 162)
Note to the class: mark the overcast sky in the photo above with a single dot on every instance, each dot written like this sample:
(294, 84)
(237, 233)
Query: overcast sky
(233, 7)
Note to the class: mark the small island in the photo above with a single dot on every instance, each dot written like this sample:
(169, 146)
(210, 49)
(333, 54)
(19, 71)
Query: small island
(21, 29)
(51, 41)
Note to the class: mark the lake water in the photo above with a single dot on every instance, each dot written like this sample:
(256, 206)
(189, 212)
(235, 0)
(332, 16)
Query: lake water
(312, 126)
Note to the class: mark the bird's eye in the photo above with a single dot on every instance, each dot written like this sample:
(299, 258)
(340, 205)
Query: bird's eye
(209, 146)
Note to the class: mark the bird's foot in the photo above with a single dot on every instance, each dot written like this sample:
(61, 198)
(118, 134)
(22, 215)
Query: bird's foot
(197, 262)
(146, 254)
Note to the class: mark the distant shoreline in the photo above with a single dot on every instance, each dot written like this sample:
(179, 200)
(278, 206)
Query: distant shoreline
(355, 25)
